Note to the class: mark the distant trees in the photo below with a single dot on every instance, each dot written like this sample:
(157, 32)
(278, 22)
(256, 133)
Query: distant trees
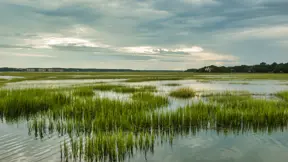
(260, 68)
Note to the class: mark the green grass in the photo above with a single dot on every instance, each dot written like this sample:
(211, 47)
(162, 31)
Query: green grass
(124, 89)
(183, 93)
(226, 93)
(83, 91)
(243, 83)
(283, 95)
(26, 103)
(2, 84)
(151, 99)
(172, 84)
(116, 129)
(204, 81)
(145, 79)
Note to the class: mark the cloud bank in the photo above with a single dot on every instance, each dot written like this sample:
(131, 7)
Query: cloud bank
(164, 34)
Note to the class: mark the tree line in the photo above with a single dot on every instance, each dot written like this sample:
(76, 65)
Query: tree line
(258, 68)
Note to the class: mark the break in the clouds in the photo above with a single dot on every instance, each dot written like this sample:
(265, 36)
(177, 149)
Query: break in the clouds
(142, 34)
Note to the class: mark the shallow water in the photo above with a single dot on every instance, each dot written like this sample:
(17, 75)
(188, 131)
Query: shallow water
(255, 86)
(210, 147)
(16, 145)
(206, 146)
(58, 83)
(9, 77)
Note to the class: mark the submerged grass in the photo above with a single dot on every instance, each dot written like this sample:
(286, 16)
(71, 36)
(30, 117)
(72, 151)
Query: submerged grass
(183, 93)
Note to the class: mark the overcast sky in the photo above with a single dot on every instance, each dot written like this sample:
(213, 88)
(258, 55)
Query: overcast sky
(142, 34)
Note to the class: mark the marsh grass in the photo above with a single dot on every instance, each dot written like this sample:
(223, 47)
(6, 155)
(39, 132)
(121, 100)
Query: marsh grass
(28, 102)
(241, 83)
(204, 81)
(124, 89)
(154, 79)
(283, 95)
(151, 99)
(83, 91)
(102, 129)
(227, 93)
(183, 93)
(2, 84)
(172, 84)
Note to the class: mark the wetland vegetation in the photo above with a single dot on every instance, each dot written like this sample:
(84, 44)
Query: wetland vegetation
(106, 129)
(183, 93)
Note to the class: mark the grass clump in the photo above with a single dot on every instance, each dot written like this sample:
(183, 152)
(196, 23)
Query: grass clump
(124, 89)
(25, 103)
(183, 93)
(172, 84)
(83, 91)
(227, 93)
(151, 99)
(283, 95)
(242, 83)
(153, 79)
(204, 81)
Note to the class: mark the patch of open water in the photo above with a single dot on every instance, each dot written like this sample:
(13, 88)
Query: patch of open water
(9, 77)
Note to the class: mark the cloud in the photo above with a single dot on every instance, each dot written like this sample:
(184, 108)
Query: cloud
(140, 49)
(201, 2)
(278, 31)
(33, 55)
(203, 56)
(155, 50)
(172, 34)
(51, 41)
(188, 50)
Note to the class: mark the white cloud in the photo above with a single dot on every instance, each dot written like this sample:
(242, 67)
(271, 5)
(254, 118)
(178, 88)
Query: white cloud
(140, 50)
(206, 56)
(201, 2)
(188, 50)
(277, 31)
(32, 55)
(155, 50)
(50, 41)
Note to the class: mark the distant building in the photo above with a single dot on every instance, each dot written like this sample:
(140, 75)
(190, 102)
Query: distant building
(55, 70)
(42, 70)
(31, 70)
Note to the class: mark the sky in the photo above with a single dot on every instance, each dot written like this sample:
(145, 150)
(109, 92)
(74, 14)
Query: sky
(142, 34)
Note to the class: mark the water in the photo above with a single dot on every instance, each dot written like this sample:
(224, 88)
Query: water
(10, 77)
(206, 146)
(58, 83)
(210, 147)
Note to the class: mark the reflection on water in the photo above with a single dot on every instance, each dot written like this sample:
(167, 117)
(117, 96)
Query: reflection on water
(203, 146)
(208, 146)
